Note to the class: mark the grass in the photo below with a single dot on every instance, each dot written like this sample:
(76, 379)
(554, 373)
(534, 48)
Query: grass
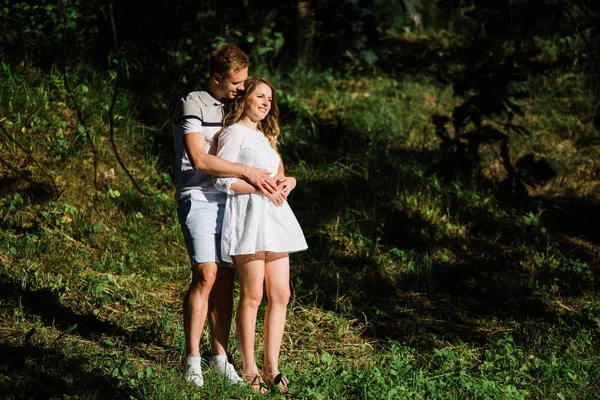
(429, 275)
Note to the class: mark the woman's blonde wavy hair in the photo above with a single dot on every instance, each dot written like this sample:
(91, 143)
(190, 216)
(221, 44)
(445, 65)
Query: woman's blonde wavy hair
(234, 110)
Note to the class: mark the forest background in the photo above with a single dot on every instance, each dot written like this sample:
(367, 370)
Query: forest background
(447, 156)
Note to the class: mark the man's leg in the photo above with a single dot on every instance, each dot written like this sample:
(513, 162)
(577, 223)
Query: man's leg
(195, 308)
(195, 305)
(220, 310)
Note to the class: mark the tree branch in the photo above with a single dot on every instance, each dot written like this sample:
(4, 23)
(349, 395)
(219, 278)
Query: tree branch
(63, 17)
(111, 117)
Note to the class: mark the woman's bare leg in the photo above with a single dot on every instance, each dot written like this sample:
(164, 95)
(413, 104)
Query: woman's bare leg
(277, 279)
(251, 274)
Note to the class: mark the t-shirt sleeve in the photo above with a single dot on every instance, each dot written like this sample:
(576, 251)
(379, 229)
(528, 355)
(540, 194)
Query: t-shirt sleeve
(229, 146)
(189, 116)
(191, 125)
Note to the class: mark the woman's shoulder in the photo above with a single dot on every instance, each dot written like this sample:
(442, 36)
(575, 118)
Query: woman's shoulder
(232, 132)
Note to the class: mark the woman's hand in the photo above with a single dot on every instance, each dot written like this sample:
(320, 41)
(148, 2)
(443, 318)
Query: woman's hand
(276, 198)
(286, 184)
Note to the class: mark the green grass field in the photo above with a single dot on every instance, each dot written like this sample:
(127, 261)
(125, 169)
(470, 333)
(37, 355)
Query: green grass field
(440, 266)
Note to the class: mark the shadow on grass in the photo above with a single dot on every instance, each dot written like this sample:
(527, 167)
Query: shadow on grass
(47, 305)
(33, 372)
(574, 217)
(485, 288)
(37, 192)
(387, 267)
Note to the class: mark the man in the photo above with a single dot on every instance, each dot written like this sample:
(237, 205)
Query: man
(198, 116)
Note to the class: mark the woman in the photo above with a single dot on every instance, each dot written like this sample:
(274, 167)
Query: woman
(259, 231)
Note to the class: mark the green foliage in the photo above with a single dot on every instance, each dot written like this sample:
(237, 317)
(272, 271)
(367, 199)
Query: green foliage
(49, 28)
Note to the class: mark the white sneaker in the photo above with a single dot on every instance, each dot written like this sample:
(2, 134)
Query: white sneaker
(194, 375)
(228, 371)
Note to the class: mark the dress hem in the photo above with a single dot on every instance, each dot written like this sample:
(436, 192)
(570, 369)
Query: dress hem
(272, 251)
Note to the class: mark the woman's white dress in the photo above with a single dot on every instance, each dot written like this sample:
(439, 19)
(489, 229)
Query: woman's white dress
(252, 222)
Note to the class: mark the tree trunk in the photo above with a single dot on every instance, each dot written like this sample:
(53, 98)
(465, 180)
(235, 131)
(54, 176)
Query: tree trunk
(306, 32)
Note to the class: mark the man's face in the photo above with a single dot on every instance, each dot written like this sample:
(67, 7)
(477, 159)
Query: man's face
(232, 83)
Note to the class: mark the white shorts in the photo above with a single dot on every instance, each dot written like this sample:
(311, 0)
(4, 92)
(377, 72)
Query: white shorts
(201, 224)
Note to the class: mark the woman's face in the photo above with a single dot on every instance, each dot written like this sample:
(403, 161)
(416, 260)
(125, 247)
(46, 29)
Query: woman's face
(258, 103)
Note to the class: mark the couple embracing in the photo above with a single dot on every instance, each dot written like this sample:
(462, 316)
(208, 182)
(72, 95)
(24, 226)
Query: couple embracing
(232, 208)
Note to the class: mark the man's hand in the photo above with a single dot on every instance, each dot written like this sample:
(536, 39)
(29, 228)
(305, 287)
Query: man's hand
(260, 179)
(286, 185)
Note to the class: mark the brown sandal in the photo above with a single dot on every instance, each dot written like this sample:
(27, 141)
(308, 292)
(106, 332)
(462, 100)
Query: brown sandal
(278, 380)
(256, 383)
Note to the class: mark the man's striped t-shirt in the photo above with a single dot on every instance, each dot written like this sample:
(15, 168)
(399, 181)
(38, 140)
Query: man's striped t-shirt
(197, 112)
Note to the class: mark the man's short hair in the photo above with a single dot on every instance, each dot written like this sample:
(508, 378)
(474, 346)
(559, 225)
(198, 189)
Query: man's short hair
(228, 58)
